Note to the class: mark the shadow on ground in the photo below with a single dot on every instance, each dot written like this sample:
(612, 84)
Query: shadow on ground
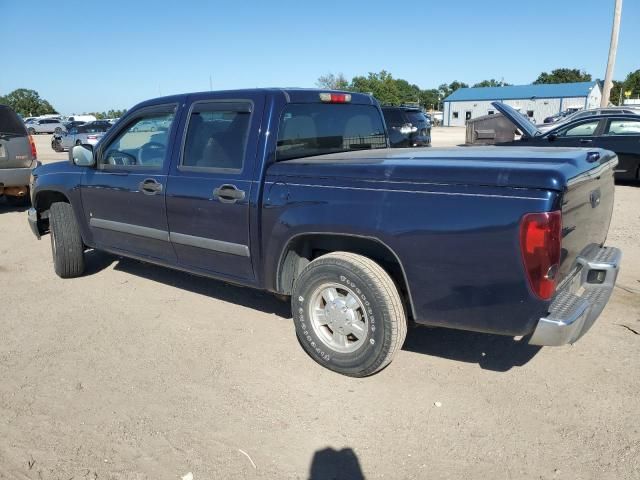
(330, 464)
(7, 207)
(490, 352)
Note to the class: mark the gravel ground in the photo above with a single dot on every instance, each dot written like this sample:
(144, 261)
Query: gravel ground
(137, 372)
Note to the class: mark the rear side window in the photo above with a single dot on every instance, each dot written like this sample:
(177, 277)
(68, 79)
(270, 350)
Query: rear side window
(10, 123)
(393, 117)
(315, 129)
(624, 127)
(217, 136)
(416, 117)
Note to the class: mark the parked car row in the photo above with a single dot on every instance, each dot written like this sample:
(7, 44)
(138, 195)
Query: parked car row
(86, 133)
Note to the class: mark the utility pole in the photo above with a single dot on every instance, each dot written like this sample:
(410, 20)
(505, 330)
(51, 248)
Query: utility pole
(613, 49)
(210, 83)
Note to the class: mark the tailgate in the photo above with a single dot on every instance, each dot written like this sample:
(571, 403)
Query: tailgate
(587, 205)
(15, 151)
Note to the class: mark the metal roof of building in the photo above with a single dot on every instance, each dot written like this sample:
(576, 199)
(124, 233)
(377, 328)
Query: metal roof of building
(513, 92)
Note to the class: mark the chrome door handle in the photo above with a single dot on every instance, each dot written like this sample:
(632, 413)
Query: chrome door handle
(149, 186)
(228, 193)
(586, 140)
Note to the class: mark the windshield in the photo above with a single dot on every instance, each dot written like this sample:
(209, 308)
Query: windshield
(315, 129)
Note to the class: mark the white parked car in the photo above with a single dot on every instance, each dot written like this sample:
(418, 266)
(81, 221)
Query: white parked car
(45, 125)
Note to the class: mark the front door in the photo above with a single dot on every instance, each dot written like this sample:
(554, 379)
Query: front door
(580, 134)
(124, 196)
(209, 188)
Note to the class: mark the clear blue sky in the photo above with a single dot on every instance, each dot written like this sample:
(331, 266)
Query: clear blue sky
(86, 56)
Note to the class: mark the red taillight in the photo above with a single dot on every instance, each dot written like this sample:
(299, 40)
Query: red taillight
(335, 97)
(540, 240)
(32, 144)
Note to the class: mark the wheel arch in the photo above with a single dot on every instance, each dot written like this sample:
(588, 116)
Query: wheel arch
(44, 199)
(303, 248)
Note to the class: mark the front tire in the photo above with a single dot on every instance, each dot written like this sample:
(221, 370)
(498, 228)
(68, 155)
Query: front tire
(32, 131)
(66, 243)
(348, 314)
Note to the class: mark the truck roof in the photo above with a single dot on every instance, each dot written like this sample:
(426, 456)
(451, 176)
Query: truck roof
(290, 95)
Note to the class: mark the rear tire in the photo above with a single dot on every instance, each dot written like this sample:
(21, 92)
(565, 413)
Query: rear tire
(58, 130)
(348, 314)
(66, 242)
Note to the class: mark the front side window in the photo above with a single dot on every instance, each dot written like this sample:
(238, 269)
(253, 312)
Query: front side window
(308, 129)
(624, 127)
(217, 136)
(142, 145)
(583, 130)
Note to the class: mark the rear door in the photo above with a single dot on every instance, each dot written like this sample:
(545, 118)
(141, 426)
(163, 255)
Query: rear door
(209, 187)
(124, 196)
(15, 150)
(622, 135)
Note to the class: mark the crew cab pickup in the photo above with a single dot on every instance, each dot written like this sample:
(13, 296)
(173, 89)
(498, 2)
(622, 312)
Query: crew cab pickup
(296, 192)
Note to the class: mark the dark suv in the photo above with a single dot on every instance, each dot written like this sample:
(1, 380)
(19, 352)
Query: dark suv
(17, 157)
(407, 126)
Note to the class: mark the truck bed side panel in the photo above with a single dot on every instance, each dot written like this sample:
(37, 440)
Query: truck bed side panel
(459, 246)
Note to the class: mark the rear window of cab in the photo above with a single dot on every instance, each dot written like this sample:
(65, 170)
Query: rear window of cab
(308, 129)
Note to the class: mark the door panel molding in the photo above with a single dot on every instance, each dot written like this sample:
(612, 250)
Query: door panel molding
(129, 228)
(210, 244)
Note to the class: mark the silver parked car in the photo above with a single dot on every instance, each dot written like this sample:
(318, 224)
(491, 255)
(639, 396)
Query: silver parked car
(45, 125)
(89, 133)
(17, 157)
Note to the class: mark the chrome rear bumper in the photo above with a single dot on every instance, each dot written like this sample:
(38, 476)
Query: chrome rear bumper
(577, 305)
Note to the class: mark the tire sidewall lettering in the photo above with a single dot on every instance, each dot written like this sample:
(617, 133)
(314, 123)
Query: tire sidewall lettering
(306, 330)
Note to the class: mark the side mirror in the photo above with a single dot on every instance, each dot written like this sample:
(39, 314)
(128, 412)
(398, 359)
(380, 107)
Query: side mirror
(552, 136)
(82, 155)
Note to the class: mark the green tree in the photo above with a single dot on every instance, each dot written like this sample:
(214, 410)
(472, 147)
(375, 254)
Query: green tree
(617, 94)
(27, 103)
(632, 84)
(563, 75)
(446, 90)
(385, 88)
(430, 99)
(491, 83)
(332, 81)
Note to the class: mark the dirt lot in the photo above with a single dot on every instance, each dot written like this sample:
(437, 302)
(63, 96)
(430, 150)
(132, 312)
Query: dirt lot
(137, 372)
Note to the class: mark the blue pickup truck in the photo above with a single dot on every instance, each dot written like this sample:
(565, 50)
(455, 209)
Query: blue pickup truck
(296, 192)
